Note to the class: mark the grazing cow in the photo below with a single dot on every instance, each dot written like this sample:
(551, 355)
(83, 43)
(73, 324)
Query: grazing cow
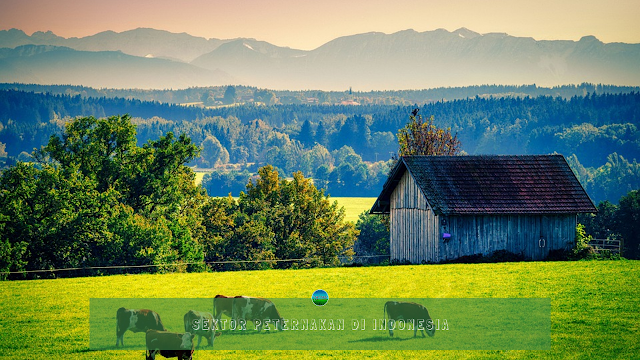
(136, 320)
(201, 324)
(414, 315)
(169, 344)
(223, 305)
(262, 312)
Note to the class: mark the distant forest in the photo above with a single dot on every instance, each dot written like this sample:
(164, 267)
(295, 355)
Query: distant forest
(346, 148)
(246, 94)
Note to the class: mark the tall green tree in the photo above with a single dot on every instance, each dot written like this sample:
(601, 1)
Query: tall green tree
(420, 137)
(265, 96)
(53, 218)
(230, 95)
(604, 224)
(629, 219)
(213, 152)
(306, 134)
(96, 198)
(279, 219)
(208, 98)
(617, 222)
(322, 135)
(147, 178)
(374, 235)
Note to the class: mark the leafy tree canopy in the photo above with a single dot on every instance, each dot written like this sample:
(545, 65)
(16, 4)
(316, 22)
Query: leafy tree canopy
(105, 151)
(230, 95)
(629, 219)
(374, 235)
(95, 198)
(617, 222)
(421, 137)
(278, 219)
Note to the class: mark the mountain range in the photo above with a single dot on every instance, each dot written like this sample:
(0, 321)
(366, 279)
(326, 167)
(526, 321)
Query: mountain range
(149, 58)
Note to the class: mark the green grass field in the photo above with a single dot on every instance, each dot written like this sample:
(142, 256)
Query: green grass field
(594, 305)
(200, 175)
(354, 206)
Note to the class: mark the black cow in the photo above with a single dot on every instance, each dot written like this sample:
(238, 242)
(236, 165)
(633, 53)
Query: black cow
(136, 320)
(169, 344)
(414, 315)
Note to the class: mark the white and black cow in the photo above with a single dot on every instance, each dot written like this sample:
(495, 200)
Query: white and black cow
(136, 320)
(410, 313)
(262, 312)
(169, 344)
(201, 324)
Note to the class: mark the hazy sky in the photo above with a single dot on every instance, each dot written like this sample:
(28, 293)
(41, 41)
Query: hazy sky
(307, 24)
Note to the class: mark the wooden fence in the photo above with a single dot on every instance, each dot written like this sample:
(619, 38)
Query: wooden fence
(605, 244)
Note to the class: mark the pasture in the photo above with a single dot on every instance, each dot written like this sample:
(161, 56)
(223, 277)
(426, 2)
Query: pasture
(200, 173)
(594, 305)
(354, 206)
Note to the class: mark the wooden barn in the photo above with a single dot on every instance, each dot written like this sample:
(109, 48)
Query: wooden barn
(445, 207)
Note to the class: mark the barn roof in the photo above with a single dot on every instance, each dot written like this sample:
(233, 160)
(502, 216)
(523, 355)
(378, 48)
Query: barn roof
(494, 184)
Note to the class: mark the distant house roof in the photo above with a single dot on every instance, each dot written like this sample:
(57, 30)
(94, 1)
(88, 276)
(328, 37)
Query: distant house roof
(514, 184)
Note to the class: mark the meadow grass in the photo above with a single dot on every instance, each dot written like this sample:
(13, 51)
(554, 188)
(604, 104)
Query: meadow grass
(199, 175)
(354, 206)
(594, 305)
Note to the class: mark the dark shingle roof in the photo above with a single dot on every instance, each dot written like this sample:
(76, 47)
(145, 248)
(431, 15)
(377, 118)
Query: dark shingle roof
(514, 184)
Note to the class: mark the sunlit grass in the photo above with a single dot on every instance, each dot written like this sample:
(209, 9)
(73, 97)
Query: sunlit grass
(199, 176)
(594, 305)
(354, 206)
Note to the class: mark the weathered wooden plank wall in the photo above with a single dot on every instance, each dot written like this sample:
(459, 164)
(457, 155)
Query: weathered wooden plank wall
(484, 234)
(413, 224)
(416, 232)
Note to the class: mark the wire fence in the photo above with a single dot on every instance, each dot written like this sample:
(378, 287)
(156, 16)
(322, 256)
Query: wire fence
(344, 260)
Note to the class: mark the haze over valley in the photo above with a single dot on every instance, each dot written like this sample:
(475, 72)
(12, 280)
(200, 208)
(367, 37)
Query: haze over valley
(148, 58)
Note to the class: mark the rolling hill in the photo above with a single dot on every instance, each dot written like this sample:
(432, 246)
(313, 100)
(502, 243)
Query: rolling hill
(45, 64)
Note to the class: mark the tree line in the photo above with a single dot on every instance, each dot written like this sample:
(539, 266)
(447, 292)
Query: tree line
(346, 148)
(245, 94)
(93, 197)
(617, 222)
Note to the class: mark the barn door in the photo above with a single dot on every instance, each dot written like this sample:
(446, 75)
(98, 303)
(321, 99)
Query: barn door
(542, 248)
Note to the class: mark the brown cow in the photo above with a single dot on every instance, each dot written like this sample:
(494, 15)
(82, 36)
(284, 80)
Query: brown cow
(201, 324)
(413, 315)
(262, 312)
(223, 305)
(169, 344)
(136, 320)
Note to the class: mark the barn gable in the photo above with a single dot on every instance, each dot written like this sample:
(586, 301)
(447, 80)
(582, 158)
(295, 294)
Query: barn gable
(411, 214)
